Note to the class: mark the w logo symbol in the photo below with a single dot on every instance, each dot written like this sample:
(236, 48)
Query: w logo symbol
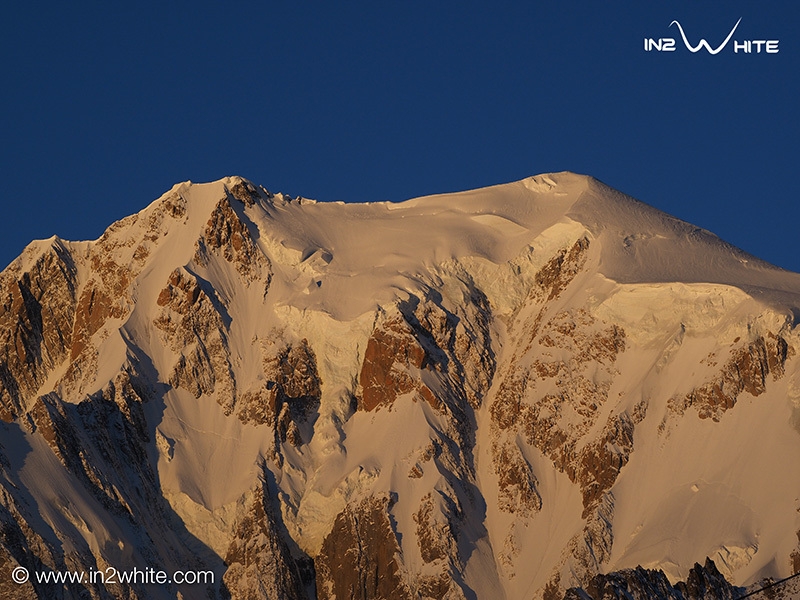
(703, 43)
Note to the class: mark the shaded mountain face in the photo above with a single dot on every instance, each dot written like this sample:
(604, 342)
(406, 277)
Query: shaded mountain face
(505, 393)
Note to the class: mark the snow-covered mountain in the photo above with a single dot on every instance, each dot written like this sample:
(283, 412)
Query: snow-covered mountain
(494, 394)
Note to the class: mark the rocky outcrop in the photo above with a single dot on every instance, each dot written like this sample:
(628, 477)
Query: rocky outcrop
(746, 370)
(707, 583)
(291, 395)
(558, 273)
(632, 584)
(260, 563)
(554, 404)
(192, 321)
(23, 543)
(439, 356)
(422, 335)
(457, 339)
(391, 356)
(588, 550)
(36, 322)
(432, 535)
(437, 535)
(515, 479)
(226, 234)
(247, 193)
(602, 459)
(94, 307)
(103, 435)
(49, 317)
(22, 546)
(361, 558)
(426, 350)
(194, 317)
(551, 396)
(703, 583)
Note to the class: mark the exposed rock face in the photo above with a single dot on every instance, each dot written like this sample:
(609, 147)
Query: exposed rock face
(102, 442)
(23, 546)
(193, 326)
(246, 193)
(94, 307)
(56, 422)
(291, 395)
(105, 434)
(591, 548)
(360, 558)
(424, 336)
(603, 459)
(517, 483)
(36, 322)
(707, 582)
(554, 403)
(558, 273)
(747, 370)
(432, 536)
(638, 584)
(703, 583)
(555, 419)
(391, 352)
(229, 236)
(646, 584)
(429, 353)
(260, 564)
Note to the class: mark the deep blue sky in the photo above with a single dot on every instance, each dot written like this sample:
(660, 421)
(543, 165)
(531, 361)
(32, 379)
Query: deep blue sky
(105, 108)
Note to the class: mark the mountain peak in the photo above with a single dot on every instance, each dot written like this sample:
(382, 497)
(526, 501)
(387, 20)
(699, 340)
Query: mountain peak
(497, 393)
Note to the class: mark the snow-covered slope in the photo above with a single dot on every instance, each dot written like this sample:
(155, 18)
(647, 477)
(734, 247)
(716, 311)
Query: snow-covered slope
(498, 393)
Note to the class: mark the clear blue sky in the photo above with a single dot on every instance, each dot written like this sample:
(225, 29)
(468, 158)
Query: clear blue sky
(106, 107)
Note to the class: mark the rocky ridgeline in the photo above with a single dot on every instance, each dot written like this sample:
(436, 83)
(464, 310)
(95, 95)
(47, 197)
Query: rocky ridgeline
(36, 325)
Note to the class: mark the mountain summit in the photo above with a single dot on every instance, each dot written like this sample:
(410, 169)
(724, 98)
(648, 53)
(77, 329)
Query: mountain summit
(502, 393)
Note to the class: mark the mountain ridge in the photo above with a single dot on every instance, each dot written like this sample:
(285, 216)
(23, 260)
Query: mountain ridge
(463, 371)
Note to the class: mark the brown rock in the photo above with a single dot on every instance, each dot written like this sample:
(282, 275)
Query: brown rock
(746, 370)
(195, 328)
(103, 435)
(390, 350)
(260, 563)
(602, 460)
(517, 484)
(291, 396)
(577, 383)
(558, 273)
(36, 317)
(434, 587)
(228, 235)
(245, 192)
(94, 307)
(360, 557)
(434, 538)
